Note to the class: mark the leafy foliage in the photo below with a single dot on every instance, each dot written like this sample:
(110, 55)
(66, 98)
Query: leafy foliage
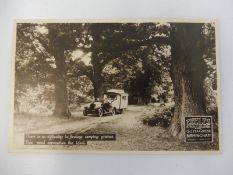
(39, 98)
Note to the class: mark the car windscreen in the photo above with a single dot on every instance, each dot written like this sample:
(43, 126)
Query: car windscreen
(111, 96)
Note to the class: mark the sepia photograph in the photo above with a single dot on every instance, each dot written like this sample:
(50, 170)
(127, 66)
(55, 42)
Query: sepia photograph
(115, 86)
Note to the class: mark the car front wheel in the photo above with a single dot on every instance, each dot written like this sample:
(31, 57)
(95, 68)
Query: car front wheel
(100, 112)
(85, 113)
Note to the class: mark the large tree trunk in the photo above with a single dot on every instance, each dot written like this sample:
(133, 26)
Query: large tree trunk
(98, 86)
(61, 97)
(97, 77)
(187, 72)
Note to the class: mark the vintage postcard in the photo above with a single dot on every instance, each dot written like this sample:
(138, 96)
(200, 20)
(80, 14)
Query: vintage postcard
(123, 86)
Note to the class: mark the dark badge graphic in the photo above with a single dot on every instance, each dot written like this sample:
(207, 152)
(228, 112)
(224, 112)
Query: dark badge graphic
(198, 129)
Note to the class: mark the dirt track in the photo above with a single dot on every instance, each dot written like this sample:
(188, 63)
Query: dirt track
(131, 133)
(127, 127)
(79, 123)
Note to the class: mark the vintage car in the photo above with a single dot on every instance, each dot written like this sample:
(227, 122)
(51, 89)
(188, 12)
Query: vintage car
(115, 101)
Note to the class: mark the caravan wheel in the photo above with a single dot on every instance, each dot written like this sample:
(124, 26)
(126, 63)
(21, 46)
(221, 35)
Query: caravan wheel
(113, 111)
(122, 111)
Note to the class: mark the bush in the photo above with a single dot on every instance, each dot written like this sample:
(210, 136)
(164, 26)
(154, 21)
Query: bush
(38, 99)
(211, 101)
(162, 119)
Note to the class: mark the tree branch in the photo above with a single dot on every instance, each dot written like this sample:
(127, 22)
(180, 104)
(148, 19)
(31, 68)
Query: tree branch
(136, 44)
(117, 51)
